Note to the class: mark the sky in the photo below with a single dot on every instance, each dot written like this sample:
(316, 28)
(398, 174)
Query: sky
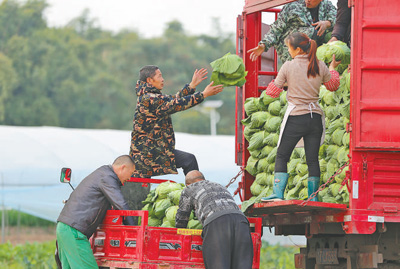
(149, 17)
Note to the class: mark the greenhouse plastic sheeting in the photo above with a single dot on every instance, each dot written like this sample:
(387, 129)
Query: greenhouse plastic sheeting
(31, 159)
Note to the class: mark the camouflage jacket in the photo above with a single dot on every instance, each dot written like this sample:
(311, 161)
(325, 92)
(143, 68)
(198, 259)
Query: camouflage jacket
(295, 17)
(153, 138)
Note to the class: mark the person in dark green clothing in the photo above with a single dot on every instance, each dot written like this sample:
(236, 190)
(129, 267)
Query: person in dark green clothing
(311, 17)
(86, 208)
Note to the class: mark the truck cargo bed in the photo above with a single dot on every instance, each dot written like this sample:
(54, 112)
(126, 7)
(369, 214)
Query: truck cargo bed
(145, 247)
(292, 206)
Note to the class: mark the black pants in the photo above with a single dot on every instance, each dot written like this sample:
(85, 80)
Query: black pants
(227, 243)
(186, 161)
(297, 127)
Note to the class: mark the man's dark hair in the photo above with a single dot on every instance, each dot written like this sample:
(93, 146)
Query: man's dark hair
(123, 159)
(147, 71)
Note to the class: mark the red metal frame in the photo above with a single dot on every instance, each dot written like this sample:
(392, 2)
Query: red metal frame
(146, 181)
(117, 245)
(248, 36)
(374, 122)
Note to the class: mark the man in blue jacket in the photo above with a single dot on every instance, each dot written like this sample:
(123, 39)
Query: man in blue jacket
(86, 208)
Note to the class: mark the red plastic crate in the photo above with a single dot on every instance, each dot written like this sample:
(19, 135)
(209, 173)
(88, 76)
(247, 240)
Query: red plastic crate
(117, 245)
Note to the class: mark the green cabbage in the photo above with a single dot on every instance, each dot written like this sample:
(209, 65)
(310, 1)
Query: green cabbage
(170, 213)
(259, 118)
(274, 108)
(262, 179)
(251, 105)
(174, 196)
(251, 166)
(256, 188)
(256, 140)
(164, 188)
(339, 48)
(265, 151)
(262, 165)
(161, 206)
(266, 99)
(273, 124)
(195, 224)
(154, 222)
(228, 70)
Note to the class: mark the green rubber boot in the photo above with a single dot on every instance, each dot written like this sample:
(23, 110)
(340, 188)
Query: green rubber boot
(280, 182)
(313, 185)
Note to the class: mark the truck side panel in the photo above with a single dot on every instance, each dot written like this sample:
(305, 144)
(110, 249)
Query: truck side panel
(376, 76)
(375, 109)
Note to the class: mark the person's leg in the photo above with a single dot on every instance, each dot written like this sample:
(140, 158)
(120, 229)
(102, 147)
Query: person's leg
(293, 132)
(312, 142)
(242, 255)
(217, 244)
(186, 161)
(74, 248)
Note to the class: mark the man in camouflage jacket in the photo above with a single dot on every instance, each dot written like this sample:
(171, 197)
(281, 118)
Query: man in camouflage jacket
(311, 17)
(153, 139)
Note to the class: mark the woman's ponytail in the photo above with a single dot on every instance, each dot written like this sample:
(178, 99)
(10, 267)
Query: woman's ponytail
(313, 68)
(308, 46)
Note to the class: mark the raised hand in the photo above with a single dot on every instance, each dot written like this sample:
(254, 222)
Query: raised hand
(256, 52)
(211, 90)
(198, 77)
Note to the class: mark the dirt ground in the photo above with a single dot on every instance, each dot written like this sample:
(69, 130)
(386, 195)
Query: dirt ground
(24, 235)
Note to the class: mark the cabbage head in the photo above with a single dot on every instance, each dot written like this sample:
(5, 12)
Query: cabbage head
(337, 137)
(251, 166)
(228, 70)
(154, 222)
(161, 206)
(301, 169)
(265, 151)
(273, 124)
(259, 118)
(149, 207)
(342, 155)
(262, 165)
(262, 179)
(164, 188)
(170, 213)
(274, 108)
(168, 224)
(282, 98)
(292, 165)
(251, 105)
(256, 140)
(272, 155)
(266, 99)
(339, 48)
(174, 196)
(271, 139)
(195, 224)
(256, 188)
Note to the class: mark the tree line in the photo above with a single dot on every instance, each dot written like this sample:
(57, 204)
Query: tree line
(81, 76)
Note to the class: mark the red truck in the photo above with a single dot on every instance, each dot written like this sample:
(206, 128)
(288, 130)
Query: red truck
(116, 245)
(365, 234)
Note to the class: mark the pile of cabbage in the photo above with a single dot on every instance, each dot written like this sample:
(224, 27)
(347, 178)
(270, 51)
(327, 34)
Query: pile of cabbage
(162, 204)
(341, 51)
(262, 128)
(229, 70)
